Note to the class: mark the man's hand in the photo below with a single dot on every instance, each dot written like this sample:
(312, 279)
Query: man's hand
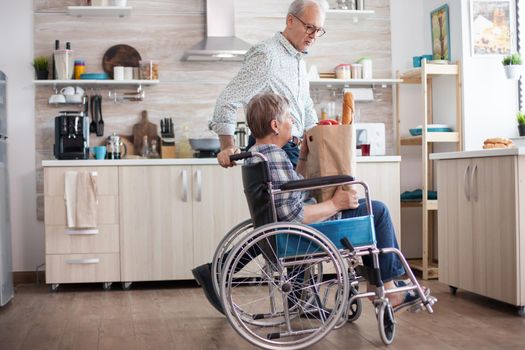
(345, 199)
(224, 157)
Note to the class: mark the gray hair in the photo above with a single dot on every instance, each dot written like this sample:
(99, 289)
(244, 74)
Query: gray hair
(262, 109)
(297, 6)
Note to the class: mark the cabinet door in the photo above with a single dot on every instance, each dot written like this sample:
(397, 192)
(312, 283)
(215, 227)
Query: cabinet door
(455, 223)
(218, 205)
(494, 202)
(383, 180)
(156, 223)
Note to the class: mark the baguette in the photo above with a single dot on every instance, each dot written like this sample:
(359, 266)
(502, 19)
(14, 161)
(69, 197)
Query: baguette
(348, 108)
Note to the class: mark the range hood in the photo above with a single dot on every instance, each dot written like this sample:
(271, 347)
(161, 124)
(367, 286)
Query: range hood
(220, 44)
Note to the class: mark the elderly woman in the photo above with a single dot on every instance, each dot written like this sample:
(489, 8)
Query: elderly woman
(271, 124)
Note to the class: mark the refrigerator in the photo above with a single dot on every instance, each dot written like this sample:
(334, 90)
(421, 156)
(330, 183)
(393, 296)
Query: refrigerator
(6, 269)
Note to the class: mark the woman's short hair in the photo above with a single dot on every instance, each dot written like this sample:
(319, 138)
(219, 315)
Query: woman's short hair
(262, 109)
(297, 6)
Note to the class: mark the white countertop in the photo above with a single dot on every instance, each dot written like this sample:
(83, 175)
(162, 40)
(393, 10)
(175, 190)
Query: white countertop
(177, 161)
(497, 152)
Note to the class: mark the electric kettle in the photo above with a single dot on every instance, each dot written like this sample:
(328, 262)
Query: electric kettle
(114, 145)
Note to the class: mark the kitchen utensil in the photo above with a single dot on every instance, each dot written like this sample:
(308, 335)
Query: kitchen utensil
(120, 55)
(205, 144)
(99, 152)
(93, 124)
(94, 76)
(97, 123)
(144, 127)
(114, 144)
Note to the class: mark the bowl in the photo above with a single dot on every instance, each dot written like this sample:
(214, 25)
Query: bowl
(205, 144)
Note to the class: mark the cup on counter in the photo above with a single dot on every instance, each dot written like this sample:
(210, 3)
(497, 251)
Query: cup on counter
(365, 149)
(118, 73)
(99, 152)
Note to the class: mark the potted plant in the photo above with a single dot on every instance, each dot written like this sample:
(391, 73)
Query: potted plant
(41, 64)
(520, 116)
(512, 66)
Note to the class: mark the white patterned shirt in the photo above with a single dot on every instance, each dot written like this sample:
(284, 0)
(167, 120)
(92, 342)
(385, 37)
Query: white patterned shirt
(273, 65)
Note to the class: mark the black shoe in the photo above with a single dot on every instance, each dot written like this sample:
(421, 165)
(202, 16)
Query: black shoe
(202, 275)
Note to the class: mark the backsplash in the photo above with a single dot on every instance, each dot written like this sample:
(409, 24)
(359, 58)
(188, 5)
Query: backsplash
(163, 29)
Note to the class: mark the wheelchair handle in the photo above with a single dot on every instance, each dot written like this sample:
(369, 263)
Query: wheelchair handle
(240, 156)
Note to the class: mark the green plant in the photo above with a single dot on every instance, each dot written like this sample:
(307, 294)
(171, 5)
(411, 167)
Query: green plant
(514, 59)
(520, 116)
(41, 63)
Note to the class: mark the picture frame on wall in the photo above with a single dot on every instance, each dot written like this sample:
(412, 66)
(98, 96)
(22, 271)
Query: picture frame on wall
(440, 31)
(490, 27)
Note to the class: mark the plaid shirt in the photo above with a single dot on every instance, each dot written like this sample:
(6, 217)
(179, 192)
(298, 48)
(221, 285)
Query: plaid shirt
(289, 206)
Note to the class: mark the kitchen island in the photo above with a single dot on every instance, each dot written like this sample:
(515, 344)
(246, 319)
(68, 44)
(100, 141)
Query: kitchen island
(481, 225)
(158, 218)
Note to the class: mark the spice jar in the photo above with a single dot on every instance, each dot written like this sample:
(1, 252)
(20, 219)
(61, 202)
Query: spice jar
(357, 71)
(149, 70)
(342, 71)
(79, 69)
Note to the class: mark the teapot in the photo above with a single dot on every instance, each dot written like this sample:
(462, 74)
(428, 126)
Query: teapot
(114, 145)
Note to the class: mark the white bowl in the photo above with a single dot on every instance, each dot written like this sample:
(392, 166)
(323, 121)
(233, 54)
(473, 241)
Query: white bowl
(74, 98)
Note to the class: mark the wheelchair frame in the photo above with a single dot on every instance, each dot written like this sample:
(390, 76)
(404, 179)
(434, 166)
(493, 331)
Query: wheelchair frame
(245, 237)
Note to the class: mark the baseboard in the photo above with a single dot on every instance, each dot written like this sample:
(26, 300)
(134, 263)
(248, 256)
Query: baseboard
(28, 277)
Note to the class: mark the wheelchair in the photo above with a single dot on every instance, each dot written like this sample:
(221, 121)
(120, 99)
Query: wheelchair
(286, 285)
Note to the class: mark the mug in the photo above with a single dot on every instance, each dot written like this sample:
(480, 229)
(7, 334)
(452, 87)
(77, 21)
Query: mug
(416, 61)
(99, 152)
(365, 149)
(68, 90)
(59, 98)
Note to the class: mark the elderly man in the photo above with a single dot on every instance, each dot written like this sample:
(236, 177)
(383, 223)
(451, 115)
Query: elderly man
(275, 65)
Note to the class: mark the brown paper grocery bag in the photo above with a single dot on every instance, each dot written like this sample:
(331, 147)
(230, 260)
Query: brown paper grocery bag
(331, 151)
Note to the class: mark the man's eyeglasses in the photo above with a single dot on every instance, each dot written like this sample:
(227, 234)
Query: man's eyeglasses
(310, 29)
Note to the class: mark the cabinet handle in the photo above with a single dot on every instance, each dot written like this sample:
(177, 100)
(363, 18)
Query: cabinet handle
(466, 183)
(184, 186)
(83, 261)
(198, 178)
(88, 231)
(474, 183)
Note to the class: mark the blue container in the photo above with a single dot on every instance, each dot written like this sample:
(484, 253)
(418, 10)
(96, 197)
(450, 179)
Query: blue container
(416, 61)
(428, 57)
(360, 231)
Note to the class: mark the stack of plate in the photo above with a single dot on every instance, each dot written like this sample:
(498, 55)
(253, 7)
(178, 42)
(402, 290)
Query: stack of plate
(430, 128)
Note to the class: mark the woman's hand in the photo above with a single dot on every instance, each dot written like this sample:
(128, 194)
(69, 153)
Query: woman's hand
(343, 200)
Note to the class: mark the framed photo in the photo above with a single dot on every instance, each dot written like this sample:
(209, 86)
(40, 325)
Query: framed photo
(490, 27)
(440, 30)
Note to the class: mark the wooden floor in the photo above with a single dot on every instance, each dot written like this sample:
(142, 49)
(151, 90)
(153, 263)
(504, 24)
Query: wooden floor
(177, 316)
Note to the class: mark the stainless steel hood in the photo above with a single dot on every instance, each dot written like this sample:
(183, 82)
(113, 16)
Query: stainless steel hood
(220, 43)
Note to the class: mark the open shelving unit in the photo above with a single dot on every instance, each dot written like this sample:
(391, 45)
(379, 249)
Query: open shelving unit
(423, 76)
(356, 15)
(353, 82)
(97, 83)
(115, 11)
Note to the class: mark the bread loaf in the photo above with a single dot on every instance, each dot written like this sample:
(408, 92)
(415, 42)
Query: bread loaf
(348, 108)
(497, 142)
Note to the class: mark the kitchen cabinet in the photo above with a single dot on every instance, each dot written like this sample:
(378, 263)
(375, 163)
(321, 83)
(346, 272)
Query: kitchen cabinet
(173, 217)
(481, 233)
(426, 140)
(74, 256)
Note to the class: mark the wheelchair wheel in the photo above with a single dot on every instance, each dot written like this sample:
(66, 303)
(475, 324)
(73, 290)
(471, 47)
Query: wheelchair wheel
(273, 286)
(386, 322)
(355, 307)
(226, 244)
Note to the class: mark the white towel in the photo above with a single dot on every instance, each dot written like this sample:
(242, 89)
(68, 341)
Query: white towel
(80, 195)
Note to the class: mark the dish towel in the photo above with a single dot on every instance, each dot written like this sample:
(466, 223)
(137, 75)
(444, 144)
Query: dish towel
(80, 195)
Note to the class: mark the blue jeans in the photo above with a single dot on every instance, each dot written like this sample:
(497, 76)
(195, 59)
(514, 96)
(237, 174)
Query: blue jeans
(291, 149)
(389, 264)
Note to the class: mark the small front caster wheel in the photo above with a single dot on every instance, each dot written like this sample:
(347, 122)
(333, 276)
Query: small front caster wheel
(453, 290)
(386, 322)
(521, 311)
(106, 286)
(126, 285)
(54, 287)
(354, 308)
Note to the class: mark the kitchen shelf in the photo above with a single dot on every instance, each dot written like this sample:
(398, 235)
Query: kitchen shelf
(115, 11)
(431, 137)
(432, 269)
(355, 14)
(353, 82)
(98, 83)
(413, 76)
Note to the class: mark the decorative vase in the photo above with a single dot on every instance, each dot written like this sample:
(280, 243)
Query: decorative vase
(521, 129)
(42, 74)
(513, 71)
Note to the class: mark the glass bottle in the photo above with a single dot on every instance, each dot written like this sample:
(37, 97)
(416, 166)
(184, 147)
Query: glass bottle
(145, 147)
(154, 153)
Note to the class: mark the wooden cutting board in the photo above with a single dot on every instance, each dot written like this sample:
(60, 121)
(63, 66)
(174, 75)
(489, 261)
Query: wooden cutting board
(144, 127)
(120, 55)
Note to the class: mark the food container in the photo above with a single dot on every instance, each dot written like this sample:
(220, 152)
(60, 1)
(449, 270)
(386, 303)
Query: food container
(342, 71)
(149, 70)
(367, 67)
(357, 71)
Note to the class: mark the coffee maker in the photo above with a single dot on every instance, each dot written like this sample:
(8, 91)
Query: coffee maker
(71, 135)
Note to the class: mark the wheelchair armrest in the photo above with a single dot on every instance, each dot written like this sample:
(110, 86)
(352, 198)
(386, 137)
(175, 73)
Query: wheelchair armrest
(318, 181)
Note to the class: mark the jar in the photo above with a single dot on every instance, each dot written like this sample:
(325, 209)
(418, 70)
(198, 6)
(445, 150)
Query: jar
(79, 69)
(342, 71)
(149, 70)
(367, 67)
(357, 71)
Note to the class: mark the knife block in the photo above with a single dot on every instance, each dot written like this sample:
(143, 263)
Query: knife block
(167, 149)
